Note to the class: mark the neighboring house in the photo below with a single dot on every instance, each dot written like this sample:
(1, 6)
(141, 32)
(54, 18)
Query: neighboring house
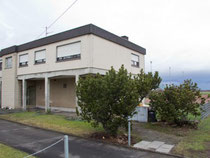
(43, 73)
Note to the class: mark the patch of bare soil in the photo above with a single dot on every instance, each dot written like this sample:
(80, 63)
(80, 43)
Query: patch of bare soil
(119, 139)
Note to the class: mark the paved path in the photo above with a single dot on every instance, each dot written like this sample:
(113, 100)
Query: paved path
(155, 146)
(153, 135)
(30, 140)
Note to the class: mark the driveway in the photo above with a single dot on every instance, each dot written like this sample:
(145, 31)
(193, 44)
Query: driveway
(30, 140)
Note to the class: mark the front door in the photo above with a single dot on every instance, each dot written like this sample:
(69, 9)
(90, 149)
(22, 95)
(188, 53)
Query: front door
(31, 95)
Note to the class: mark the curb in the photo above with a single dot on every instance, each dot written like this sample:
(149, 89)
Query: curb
(91, 139)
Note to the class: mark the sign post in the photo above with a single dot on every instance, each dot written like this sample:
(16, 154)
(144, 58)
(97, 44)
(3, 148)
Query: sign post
(129, 131)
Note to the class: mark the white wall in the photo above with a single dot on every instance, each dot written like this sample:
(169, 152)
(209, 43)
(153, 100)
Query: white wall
(95, 52)
(51, 63)
(107, 54)
(9, 83)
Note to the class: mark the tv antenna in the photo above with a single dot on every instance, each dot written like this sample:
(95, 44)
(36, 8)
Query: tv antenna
(47, 27)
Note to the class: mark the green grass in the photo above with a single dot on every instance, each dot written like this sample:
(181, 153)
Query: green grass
(165, 128)
(8, 152)
(59, 123)
(53, 122)
(197, 143)
(205, 92)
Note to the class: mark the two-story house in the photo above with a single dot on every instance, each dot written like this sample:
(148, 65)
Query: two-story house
(43, 73)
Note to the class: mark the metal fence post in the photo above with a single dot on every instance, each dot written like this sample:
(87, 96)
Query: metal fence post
(129, 131)
(66, 146)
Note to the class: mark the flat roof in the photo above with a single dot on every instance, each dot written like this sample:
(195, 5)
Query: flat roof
(80, 31)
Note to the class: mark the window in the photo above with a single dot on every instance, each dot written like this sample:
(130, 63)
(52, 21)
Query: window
(134, 60)
(40, 57)
(23, 60)
(0, 64)
(8, 63)
(68, 52)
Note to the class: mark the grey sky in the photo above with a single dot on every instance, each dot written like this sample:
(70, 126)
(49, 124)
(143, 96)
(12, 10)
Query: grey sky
(176, 33)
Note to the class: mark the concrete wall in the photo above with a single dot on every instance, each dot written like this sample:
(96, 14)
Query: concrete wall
(10, 87)
(51, 63)
(62, 93)
(106, 54)
(95, 52)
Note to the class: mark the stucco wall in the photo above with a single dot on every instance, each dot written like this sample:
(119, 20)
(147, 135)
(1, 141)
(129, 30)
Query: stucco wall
(9, 84)
(60, 96)
(51, 63)
(62, 93)
(95, 52)
(107, 54)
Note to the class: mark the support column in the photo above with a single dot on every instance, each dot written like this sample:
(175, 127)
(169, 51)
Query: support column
(47, 93)
(24, 89)
(76, 81)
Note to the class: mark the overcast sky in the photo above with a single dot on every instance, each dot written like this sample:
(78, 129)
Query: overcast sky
(175, 33)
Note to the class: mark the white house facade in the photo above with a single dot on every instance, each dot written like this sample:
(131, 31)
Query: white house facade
(43, 73)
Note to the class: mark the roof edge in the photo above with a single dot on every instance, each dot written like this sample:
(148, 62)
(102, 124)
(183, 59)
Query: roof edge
(76, 32)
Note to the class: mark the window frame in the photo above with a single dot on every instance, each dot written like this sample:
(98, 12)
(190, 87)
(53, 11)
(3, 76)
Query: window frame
(21, 63)
(42, 60)
(1, 64)
(68, 58)
(135, 63)
(6, 63)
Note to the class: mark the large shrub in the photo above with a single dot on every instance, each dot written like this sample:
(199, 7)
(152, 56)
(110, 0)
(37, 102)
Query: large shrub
(175, 103)
(111, 99)
(146, 82)
(108, 99)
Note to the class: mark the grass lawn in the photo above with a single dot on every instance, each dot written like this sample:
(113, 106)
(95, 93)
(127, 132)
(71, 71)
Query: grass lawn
(197, 143)
(165, 128)
(53, 122)
(8, 152)
(205, 92)
(61, 124)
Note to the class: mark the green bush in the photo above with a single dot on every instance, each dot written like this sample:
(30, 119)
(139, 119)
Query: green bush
(146, 82)
(108, 99)
(175, 103)
(111, 99)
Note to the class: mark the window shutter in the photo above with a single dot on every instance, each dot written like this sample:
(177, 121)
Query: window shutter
(23, 58)
(39, 55)
(68, 50)
(135, 58)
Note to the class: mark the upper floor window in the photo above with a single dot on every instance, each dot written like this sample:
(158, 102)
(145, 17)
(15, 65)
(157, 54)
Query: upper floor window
(40, 56)
(8, 62)
(0, 64)
(134, 60)
(23, 60)
(68, 52)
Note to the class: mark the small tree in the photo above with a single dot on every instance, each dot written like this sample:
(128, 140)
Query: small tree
(108, 99)
(175, 103)
(146, 82)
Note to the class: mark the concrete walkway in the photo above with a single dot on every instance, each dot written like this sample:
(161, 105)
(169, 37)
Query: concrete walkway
(155, 146)
(30, 140)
